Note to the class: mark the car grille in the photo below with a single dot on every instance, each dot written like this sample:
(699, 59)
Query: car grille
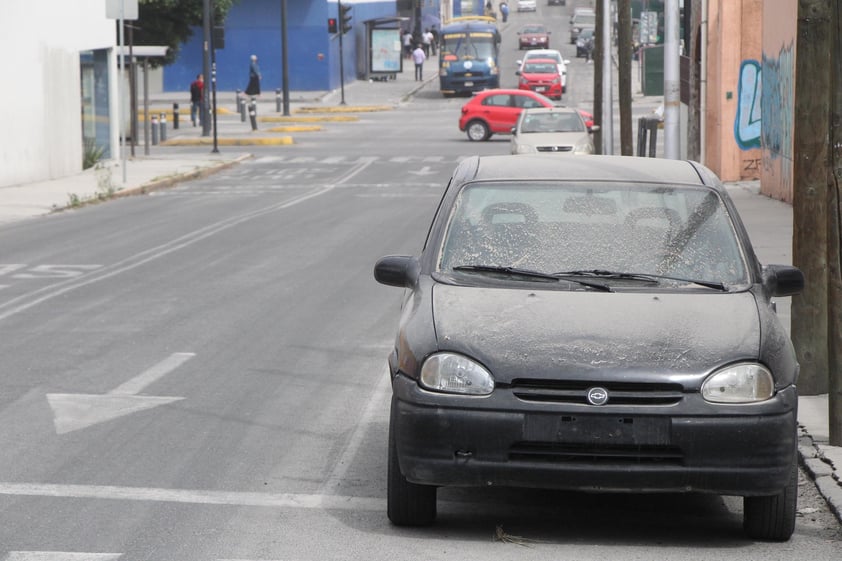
(600, 454)
(575, 391)
(554, 148)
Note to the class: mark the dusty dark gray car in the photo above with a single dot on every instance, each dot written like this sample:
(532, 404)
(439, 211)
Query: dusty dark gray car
(597, 324)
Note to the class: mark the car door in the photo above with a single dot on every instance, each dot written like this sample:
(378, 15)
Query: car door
(500, 113)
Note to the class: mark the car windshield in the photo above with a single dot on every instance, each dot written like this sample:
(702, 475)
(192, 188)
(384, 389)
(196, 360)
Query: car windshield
(552, 122)
(683, 232)
(540, 68)
(534, 29)
(468, 46)
(585, 19)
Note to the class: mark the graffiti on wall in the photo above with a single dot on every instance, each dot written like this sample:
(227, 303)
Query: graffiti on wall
(778, 114)
(747, 123)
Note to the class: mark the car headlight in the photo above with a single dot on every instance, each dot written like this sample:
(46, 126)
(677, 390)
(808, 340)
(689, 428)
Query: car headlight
(525, 149)
(453, 373)
(739, 383)
(583, 148)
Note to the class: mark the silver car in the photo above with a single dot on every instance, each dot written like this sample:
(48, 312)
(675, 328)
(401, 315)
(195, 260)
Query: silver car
(556, 130)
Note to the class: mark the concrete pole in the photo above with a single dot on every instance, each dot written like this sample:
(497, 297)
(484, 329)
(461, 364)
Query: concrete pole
(607, 85)
(672, 81)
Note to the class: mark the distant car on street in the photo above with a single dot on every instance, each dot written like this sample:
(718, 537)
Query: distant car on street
(496, 111)
(595, 323)
(551, 54)
(527, 6)
(580, 20)
(541, 75)
(533, 36)
(556, 130)
(584, 43)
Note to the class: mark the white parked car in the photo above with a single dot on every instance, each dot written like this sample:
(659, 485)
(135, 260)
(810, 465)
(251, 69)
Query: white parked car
(527, 6)
(555, 130)
(551, 54)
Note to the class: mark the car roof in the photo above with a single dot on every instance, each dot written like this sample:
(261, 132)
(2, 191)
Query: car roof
(493, 91)
(591, 168)
(557, 109)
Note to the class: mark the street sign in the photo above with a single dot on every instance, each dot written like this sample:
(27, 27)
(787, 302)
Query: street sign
(121, 9)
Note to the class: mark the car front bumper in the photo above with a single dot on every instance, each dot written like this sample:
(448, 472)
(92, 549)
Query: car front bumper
(456, 441)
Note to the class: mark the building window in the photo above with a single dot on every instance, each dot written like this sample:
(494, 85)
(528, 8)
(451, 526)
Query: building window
(96, 117)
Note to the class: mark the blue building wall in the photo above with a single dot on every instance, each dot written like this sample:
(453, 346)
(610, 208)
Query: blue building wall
(254, 27)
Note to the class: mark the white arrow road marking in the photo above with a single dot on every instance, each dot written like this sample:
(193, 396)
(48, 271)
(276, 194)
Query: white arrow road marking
(78, 411)
(424, 171)
(59, 556)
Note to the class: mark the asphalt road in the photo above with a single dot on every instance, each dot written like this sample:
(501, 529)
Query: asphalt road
(199, 374)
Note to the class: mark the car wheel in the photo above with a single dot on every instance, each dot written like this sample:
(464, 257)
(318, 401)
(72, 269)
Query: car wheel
(477, 130)
(407, 504)
(772, 518)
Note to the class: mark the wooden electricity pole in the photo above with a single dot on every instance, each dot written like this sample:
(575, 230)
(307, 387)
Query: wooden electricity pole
(624, 56)
(811, 139)
(834, 246)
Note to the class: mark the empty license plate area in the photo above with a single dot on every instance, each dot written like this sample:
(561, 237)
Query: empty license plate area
(597, 429)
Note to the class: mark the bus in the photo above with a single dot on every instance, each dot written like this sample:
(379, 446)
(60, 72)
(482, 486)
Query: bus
(468, 55)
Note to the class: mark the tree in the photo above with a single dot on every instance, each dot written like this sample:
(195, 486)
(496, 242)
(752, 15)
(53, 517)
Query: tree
(172, 22)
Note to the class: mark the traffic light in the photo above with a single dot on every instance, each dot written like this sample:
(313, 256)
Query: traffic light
(331, 25)
(345, 16)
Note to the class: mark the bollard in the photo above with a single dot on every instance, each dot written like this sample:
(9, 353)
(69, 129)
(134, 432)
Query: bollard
(175, 116)
(154, 130)
(278, 100)
(253, 113)
(647, 133)
(241, 106)
(162, 122)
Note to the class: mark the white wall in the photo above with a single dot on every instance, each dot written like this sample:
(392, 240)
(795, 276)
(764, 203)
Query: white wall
(40, 100)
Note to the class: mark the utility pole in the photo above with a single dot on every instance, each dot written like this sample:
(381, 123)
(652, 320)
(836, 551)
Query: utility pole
(206, 66)
(284, 57)
(811, 139)
(624, 56)
(672, 82)
(597, 79)
(607, 82)
(835, 233)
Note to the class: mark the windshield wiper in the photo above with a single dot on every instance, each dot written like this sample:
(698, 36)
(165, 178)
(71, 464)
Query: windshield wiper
(646, 277)
(528, 274)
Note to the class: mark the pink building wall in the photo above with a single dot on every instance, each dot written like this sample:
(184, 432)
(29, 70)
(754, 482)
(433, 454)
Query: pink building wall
(780, 28)
(732, 119)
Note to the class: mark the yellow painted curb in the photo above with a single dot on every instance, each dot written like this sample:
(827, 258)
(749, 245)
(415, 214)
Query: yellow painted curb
(155, 111)
(312, 128)
(311, 119)
(345, 109)
(204, 141)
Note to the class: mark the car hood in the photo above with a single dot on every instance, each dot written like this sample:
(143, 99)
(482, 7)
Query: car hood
(574, 334)
(542, 76)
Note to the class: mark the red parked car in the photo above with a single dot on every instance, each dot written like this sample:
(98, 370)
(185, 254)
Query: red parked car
(541, 75)
(496, 111)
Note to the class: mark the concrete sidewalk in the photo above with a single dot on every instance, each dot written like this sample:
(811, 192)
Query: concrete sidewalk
(769, 222)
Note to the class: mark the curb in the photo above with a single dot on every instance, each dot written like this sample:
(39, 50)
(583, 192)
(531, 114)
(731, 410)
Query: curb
(171, 181)
(821, 471)
(205, 141)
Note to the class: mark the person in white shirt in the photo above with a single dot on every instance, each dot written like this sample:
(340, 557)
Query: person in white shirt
(419, 57)
(407, 43)
(427, 41)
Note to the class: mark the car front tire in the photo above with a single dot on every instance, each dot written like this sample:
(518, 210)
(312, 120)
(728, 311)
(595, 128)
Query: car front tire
(477, 131)
(407, 504)
(773, 518)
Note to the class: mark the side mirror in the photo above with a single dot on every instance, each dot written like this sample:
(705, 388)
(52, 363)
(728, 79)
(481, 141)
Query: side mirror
(514, 130)
(593, 128)
(517, 72)
(397, 270)
(566, 61)
(783, 280)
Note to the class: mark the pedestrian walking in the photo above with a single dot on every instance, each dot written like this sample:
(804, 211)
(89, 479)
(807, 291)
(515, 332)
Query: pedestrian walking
(504, 11)
(253, 88)
(435, 42)
(427, 41)
(419, 57)
(407, 44)
(197, 100)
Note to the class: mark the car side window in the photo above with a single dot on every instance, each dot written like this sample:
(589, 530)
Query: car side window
(526, 102)
(497, 100)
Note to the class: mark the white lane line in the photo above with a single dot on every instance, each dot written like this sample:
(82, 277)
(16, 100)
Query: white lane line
(59, 556)
(194, 496)
(375, 402)
(144, 379)
(31, 299)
